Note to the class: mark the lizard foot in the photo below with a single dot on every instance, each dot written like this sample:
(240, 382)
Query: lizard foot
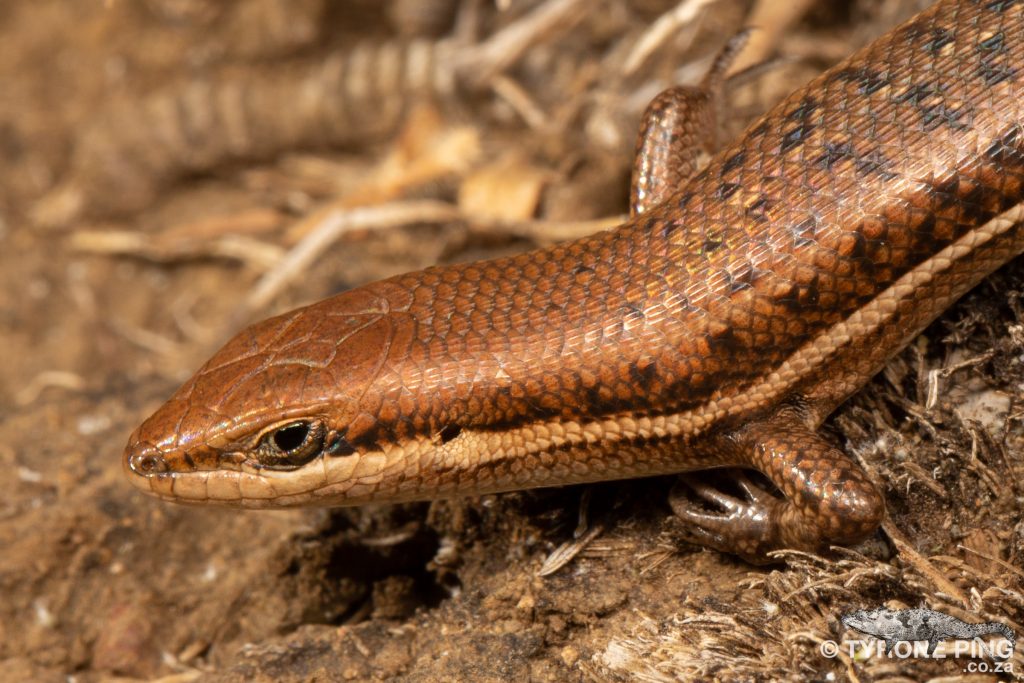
(823, 498)
(745, 526)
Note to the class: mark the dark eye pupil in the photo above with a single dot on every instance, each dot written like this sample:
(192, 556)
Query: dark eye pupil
(291, 437)
(292, 445)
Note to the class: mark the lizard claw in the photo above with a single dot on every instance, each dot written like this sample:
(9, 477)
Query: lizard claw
(745, 527)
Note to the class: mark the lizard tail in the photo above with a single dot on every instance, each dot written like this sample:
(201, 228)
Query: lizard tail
(996, 627)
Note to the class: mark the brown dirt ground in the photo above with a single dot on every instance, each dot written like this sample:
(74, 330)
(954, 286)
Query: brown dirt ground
(101, 583)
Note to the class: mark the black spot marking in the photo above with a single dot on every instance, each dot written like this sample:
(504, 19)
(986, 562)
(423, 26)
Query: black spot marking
(940, 38)
(759, 130)
(668, 228)
(916, 94)
(726, 190)
(994, 43)
(806, 107)
(651, 225)
(941, 114)
(684, 199)
(808, 295)
(795, 137)
(581, 269)
(791, 300)
(929, 100)
(974, 200)
(403, 428)
(859, 246)
(991, 70)
(786, 294)
(340, 446)
(449, 433)
(946, 193)
(723, 338)
(367, 441)
(600, 405)
(868, 81)
(1006, 149)
(834, 153)
(711, 245)
(761, 205)
(1000, 5)
(188, 460)
(927, 225)
(643, 375)
(687, 396)
(993, 73)
(875, 163)
(733, 162)
(868, 269)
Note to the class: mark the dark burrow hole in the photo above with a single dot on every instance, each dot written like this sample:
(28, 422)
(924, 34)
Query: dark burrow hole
(380, 573)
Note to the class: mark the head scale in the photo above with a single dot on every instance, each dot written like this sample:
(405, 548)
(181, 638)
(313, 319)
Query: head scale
(252, 426)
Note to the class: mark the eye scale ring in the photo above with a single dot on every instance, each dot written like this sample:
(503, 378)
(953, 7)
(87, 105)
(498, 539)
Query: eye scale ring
(291, 445)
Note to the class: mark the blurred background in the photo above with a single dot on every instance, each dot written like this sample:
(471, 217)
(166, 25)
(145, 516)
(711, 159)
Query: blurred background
(171, 170)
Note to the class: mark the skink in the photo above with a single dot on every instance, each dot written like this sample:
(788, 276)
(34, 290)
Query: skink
(715, 329)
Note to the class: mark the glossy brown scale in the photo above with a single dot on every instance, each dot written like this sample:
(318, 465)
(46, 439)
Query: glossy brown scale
(718, 327)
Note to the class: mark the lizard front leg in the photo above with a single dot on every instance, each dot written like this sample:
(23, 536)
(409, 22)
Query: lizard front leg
(825, 497)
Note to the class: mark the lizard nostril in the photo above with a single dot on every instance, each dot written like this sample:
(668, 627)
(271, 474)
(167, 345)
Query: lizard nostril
(147, 464)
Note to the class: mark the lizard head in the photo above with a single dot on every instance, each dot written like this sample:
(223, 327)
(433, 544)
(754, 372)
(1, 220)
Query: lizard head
(874, 622)
(266, 420)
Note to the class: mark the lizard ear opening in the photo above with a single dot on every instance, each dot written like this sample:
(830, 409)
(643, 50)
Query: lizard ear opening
(449, 433)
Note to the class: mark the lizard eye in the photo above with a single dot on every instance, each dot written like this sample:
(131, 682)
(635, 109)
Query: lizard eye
(291, 445)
